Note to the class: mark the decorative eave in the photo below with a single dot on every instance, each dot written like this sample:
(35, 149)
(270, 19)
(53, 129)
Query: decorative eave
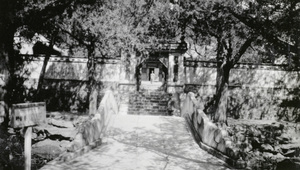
(56, 58)
(107, 60)
(248, 66)
(171, 47)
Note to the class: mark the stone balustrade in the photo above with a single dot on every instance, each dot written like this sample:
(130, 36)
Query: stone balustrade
(244, 144)
(92, 131)
(207, 134)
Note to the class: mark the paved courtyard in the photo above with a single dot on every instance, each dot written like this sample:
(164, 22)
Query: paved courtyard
(142, 143)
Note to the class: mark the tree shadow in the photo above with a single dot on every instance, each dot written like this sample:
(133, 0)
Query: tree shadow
(253, 92)
(65, 86)
(287, 96)
(171, 141)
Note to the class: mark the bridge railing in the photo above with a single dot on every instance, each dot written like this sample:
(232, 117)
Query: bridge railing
(208, 135)
(91, 132)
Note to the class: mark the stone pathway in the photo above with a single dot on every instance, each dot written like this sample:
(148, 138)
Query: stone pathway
(145, 143)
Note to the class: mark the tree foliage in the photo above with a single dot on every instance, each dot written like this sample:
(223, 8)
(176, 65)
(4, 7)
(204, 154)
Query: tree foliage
(236, 26)
(114, 26)
(109, 29)
(101, 28)
(25, 17)
(276, 21)
(105, 28)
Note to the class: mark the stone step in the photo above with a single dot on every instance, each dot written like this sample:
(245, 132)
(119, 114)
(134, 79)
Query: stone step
(148, 113)
(160, 102)
(142, 100)
(159, 83)
(148, 107)
(146, 103)
(145, 99)
(147, 110)
(150, 87)
(149, 97)
(125, 107)
(152, 95)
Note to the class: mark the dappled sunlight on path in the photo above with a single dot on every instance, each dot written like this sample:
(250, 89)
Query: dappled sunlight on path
(145, 142)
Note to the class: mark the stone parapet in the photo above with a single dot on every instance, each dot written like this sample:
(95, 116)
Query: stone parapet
(91, 132)
(244, 144)
(209, 136)
(214, 139)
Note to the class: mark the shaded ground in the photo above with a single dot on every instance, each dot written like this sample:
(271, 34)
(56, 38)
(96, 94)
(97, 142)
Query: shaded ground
(145, 142)
(266, 144)
(48, 140)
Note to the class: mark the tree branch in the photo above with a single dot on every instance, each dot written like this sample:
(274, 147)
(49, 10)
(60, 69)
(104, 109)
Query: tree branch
(81, 41)
(243, 49)
(265, 33)
(35, 18)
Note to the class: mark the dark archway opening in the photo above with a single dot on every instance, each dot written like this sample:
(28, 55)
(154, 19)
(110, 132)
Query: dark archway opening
(156, 63)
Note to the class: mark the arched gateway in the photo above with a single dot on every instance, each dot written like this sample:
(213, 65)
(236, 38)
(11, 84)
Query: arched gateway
(161, 68)
(158, 78)
(153, 72)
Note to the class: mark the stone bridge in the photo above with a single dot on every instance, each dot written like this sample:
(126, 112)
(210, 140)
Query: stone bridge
(144, 142)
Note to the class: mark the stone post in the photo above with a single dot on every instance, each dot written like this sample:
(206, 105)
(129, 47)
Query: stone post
(180, 70)
(171, 69)
(133, 64)
(93, 102)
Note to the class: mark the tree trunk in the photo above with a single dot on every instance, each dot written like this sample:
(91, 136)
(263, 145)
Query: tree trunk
(92, 87)
(7, 69)
(41, 77)
(42, 74)
(220, 104)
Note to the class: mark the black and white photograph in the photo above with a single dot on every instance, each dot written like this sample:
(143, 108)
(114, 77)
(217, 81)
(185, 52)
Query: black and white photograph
(149, 84)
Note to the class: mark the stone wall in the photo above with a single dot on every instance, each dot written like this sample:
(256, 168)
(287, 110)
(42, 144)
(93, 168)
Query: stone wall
(256, 91)
(64, 95)
(65, 85)
(67, 68)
